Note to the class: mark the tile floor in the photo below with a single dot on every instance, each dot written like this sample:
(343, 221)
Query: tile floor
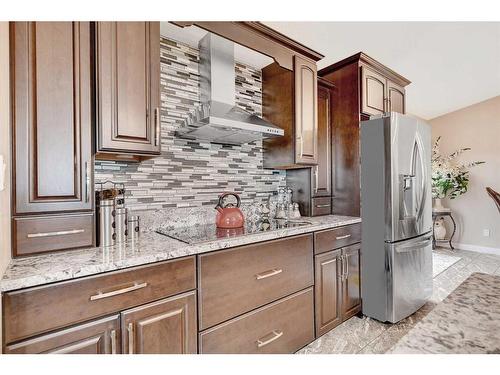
(368, 336)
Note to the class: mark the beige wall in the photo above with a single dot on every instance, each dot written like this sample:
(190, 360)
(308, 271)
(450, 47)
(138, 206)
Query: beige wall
(4, 149)
(478, 127)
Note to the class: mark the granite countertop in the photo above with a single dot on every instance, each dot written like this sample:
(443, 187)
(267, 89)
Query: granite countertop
(151, 247)
(466, 322)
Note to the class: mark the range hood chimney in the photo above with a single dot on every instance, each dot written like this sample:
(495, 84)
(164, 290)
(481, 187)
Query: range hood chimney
(219, 120)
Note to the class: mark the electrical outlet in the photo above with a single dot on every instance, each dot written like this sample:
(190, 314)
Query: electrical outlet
(486, 232)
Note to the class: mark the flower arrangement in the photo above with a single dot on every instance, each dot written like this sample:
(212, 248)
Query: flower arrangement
(450, 177)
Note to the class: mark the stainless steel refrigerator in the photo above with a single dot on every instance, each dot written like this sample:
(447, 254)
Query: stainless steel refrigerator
(396, 209)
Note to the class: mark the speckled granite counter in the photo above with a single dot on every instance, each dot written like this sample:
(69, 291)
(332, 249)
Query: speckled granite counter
(152, 247)
(467, 321)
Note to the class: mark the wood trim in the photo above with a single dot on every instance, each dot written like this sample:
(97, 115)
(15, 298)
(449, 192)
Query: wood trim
(260, 38)
(364, 58)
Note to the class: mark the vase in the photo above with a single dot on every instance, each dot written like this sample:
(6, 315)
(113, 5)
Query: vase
(438, 205)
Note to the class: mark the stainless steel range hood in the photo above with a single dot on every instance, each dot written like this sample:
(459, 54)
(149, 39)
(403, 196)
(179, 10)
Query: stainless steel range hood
(219, 120)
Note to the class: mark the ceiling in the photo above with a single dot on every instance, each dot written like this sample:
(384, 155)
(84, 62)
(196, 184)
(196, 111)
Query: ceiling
(451, 64)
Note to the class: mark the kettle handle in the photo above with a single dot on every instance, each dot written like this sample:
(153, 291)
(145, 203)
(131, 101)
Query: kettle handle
(223, 195)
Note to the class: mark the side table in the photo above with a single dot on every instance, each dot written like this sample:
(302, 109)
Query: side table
(444, 213)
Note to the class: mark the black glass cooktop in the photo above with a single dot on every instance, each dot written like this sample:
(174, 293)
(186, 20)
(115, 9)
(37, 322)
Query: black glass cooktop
(207, 233)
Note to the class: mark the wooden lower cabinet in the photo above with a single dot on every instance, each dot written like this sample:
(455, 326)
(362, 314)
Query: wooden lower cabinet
(351, 286)
(282, 327)
(98, 337)
(167, 326)
(337, 287)
(328, 291)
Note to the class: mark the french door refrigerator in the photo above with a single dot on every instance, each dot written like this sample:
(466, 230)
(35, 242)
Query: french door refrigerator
(396, 210)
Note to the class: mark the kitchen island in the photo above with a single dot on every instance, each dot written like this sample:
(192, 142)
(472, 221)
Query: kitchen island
(150, 248)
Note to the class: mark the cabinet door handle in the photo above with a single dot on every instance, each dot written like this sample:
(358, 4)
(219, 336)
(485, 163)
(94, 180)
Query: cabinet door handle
(130, 338)
(322, 205)
(113, 342)
(346, 266)
(87, 181)
(157, 126)
(101, 295)
(275, 336)
(301, 146)
(53, 234)
(316, 179)
(265, 275)
(341, 274)
(343, 237)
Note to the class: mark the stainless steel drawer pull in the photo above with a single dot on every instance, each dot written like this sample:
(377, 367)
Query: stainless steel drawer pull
(101, 295)
(343, 237)
(265, 275)
(275, 336)
(322, 205)
(53, 234)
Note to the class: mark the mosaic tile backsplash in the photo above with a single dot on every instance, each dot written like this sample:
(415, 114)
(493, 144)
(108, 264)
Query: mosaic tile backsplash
(192, 173)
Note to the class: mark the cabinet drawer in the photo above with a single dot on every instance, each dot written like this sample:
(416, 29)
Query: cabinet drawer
(41, 234)
(321, 206)
(233, 282)
(36, 310)
(281, 327)
(338, 237)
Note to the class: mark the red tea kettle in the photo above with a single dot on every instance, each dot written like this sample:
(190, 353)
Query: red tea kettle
(229, 216)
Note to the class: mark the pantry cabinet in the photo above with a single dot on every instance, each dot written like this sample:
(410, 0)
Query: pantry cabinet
(128, 88)
(363, 88)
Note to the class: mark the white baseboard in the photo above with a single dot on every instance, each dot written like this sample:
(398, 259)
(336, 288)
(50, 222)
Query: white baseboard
(478, 249)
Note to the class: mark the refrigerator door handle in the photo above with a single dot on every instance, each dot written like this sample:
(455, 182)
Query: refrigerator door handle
(414, 245)
(419, 149)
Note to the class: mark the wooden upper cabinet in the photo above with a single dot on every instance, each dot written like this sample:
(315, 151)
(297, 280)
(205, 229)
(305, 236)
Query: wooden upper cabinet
(167, 326)
(306, 112)
(128, 88)
(396, 97)
(51, 101)
(289, 100)
(322, 172)
(97, 337)
(379, 94)
(373, 92)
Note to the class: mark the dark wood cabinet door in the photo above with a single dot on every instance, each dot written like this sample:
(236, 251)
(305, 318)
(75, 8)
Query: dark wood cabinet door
(396, 97)
(328, 291)
(373, 92)
(51, 101)
(167, 326)
(322, 172)
(306, 113)
(97, 337)
(351, 287)
(128, 87)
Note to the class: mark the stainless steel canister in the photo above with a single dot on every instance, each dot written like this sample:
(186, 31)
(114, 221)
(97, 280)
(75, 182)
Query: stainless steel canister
(120, 225)
(106, 222)
(133, 228)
